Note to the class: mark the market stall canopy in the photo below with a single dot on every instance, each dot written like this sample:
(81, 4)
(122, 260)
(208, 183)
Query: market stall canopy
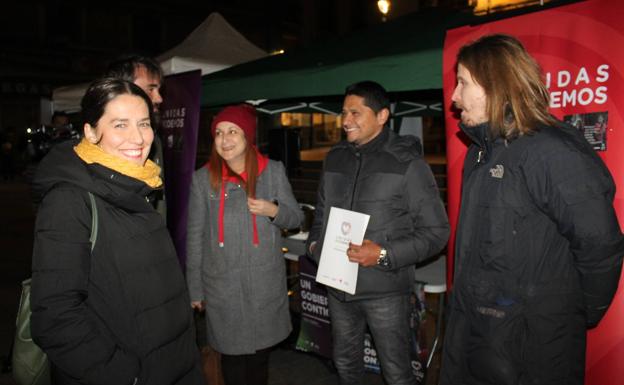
(212, 46)
(402, 55)
(67, 98)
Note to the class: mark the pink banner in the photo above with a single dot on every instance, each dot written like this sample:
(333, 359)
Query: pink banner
(579, 48)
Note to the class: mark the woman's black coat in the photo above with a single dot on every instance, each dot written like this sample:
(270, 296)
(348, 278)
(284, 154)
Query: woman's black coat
(119, 314)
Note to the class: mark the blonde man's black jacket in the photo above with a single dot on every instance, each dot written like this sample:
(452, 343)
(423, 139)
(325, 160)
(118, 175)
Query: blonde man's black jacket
(538, 258)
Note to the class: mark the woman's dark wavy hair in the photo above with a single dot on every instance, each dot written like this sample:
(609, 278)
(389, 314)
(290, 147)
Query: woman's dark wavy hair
(517, 98)
(101, 92)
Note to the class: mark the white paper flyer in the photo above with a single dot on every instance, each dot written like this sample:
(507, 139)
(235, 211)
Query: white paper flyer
(335, 269)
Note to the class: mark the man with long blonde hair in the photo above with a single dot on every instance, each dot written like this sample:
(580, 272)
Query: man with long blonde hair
(538, 248)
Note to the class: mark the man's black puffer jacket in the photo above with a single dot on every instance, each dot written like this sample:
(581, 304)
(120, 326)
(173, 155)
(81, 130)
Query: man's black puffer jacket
(388, 179)
(118, 315)
(538, 258)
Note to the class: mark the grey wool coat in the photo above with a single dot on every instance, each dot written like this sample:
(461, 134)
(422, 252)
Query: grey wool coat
(243, 286)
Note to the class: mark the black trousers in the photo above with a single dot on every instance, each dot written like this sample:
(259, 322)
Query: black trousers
(246, 369)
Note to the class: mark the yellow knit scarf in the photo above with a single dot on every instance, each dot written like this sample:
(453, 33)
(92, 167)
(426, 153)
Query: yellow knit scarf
(148, 173)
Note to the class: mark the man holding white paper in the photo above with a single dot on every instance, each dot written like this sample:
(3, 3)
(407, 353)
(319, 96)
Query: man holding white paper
(383, 175)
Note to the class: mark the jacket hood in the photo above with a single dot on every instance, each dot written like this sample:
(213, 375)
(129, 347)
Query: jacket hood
(63, 166)
(404, 147)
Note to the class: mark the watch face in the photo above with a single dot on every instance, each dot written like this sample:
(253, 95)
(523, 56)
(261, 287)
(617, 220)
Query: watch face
(383, 259)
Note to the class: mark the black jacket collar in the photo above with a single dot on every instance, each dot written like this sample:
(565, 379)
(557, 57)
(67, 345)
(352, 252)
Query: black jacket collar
(481, 136)
(375, 144)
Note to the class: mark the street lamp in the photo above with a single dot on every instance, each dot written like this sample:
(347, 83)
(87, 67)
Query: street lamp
(384, 8)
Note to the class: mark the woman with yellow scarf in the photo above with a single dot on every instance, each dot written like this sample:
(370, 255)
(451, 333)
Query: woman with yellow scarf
(112, 309)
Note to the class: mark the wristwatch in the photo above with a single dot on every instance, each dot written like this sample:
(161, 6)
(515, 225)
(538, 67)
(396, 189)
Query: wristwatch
(383, 259)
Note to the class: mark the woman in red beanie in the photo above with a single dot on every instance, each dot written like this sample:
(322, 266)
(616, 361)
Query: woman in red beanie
(239, 203)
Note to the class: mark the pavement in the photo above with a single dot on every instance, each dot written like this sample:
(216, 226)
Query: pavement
(17, 215)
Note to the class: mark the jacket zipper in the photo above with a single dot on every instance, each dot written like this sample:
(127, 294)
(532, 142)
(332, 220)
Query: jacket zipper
(464, 203)
(358, 158)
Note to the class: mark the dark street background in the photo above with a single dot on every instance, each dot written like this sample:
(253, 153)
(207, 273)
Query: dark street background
(16, 236)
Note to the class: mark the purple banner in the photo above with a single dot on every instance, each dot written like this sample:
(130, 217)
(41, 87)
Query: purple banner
(178, 132)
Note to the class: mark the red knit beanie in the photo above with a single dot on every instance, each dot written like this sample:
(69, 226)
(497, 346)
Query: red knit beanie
(243, 115)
